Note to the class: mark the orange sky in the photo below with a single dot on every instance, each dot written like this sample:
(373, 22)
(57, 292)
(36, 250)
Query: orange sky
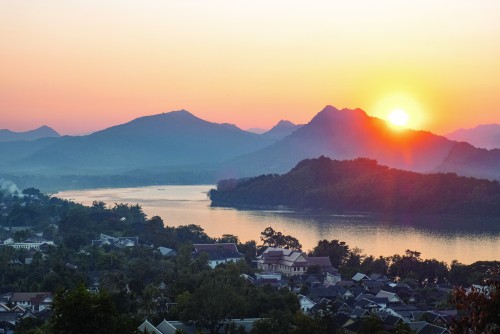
(80, 66)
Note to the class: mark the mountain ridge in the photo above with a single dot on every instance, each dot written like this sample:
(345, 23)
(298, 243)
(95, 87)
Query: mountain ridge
(281, 130)
(482, 136)
(43, 131)
(165, 145)
(347, 134)
(361, 185)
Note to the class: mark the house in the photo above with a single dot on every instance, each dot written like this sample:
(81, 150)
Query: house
(305, 303)
(219, 253)
(353, 327)
(291, 262)
(331, 292)
(367, 304)
(379, 277)
(359, 277)
(173, 327)
(273, 279)
(406, 312)
(34, 301)
(324, 263)
(392, 320)
(167, 251)
(391, 296)
(422, 327)
(120, 242)
(359, 313)
(332, 278)
(29, 245)
(435, 318)
(147, 327)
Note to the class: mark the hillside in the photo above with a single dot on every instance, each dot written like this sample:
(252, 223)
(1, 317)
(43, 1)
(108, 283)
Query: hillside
(467, 160)
(281, 130)
(41, 132)
(483, 136)
(362, 185)
(178, 147)
(171, 139)
(349, 134)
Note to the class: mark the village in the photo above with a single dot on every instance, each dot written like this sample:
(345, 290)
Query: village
(156, 276)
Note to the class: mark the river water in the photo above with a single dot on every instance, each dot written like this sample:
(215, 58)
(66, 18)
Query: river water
(466, 239)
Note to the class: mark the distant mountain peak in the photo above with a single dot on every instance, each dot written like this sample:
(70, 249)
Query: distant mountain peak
(281, 130)
(284, 124)
(329, 108)
(330, 113)
(484, 136)
(40, 132)
(180, 112)
(165, 117)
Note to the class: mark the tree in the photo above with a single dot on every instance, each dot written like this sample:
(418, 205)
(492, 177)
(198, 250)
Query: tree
(79, 311)
(218, 297)
(304, 324)
(249, 249)
(229, 238)
(372, 325)
(337, 251)
(149, 297)
(479, 308)
(272, 238)
(28, 325)
(371, 265)
(406, 266)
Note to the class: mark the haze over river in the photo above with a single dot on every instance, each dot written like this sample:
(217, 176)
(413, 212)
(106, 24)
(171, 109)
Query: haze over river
(466, 239)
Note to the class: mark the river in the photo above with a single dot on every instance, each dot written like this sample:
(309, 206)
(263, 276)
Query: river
(443, 238)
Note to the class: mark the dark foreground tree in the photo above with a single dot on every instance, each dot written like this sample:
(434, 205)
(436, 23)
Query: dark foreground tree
(479, 309)
(81, 312)
(219, 297)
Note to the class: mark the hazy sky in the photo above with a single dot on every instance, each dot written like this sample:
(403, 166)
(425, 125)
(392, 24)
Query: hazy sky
(80, 66)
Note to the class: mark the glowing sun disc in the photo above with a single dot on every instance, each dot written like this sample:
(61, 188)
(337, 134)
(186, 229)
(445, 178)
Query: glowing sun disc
(398, 117)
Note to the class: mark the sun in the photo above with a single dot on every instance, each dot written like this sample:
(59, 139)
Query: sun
(398, 117)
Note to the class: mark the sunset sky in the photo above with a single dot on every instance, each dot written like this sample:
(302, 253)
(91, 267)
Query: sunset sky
(80, 66)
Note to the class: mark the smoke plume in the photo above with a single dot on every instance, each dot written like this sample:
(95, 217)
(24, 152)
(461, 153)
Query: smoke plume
(9, 187)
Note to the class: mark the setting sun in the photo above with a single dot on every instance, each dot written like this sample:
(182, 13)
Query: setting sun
(398, 117)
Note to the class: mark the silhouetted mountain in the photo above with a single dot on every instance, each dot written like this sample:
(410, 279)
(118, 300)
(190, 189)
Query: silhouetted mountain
(180, 147)
(170, 139)
(465, 159)
(349, 134)
(484, 136)
(362, 185)
(281, 130)
(41, 132)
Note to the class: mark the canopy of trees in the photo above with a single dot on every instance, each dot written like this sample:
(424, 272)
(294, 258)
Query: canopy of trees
(362, 185)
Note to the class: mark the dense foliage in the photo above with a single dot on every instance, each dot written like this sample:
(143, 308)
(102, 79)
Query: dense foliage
(362, 185)
(139, 282)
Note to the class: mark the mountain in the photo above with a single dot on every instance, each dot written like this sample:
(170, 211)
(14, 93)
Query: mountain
(182, 148)
(465, 159)
(281, 130)
(483, 136)
(362, 185)
(41, 132)
(170, 139)
(348, 134)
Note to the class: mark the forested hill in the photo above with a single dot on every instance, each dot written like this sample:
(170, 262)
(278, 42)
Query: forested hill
(362, 185)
